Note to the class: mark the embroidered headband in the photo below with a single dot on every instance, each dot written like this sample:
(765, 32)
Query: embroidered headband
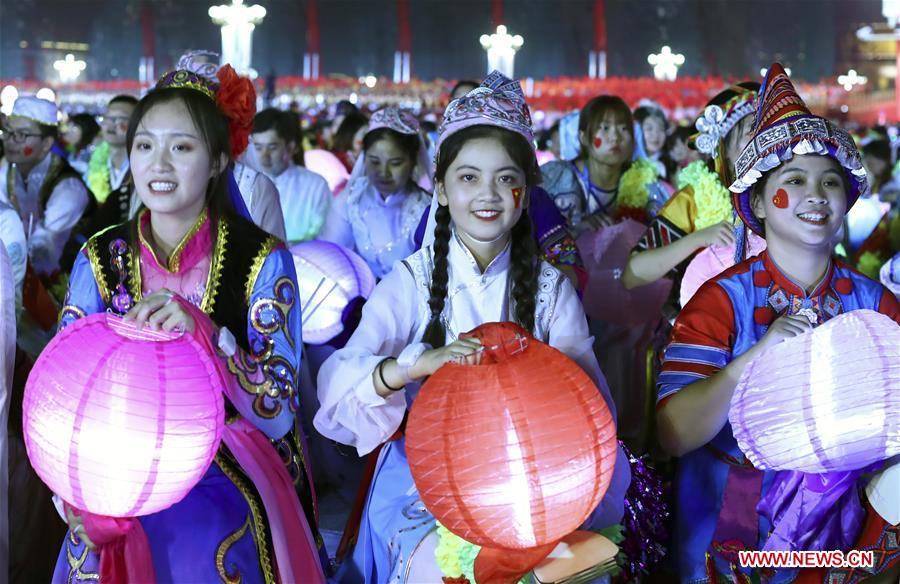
(234, 95)
(784, 127)
(498, 101)
(393, 118)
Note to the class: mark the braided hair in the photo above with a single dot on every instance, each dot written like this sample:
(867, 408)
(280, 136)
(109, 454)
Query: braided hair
(523, 269)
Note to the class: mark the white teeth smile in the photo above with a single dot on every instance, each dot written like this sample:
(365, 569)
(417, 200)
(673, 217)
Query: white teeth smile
(813, 217)
(163, 187)
(487, 213)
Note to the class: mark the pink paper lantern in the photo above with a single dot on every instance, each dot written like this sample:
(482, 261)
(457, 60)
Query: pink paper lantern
(119, 421)
(544, 156)
(330, 277)
(711, 262)
(827, 400)
(328, 165)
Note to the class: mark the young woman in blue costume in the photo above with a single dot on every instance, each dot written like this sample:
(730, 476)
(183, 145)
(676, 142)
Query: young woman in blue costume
(188, 261)
(795, 181)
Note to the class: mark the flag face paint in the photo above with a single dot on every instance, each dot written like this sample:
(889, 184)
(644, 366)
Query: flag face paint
(781, 199)
(28, 151)
(598, 142)
(517, 196)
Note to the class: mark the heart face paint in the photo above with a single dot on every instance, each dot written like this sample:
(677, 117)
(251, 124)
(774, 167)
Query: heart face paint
(28, 151)
(780, 199)
(517, 196)
(598, 142)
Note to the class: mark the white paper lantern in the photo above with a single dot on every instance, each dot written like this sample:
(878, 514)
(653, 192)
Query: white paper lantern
(827, 400)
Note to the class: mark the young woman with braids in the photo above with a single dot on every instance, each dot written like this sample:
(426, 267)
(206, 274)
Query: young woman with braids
(480, 267)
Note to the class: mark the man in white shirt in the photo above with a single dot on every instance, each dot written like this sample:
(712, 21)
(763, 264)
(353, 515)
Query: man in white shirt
(304, 195)
(109, 162)
(44, 190)
(108, 175)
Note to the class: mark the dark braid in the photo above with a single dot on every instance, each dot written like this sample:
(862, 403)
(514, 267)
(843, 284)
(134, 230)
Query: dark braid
(523, 272)
(435, 335)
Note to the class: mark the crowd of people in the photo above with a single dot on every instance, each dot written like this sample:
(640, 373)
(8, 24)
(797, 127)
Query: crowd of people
(176, 210)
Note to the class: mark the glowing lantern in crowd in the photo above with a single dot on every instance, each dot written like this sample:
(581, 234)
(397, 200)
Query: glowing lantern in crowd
(827, 400)
(330, 278)
(328, 165)
(513, 453)
(119, 421)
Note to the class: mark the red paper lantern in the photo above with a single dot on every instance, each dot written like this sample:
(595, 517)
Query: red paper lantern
(513, 453)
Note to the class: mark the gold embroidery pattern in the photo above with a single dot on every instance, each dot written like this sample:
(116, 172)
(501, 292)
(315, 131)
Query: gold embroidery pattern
(174, 263)
(252, 379)
(175, 257)
(75, 564)
(134, 267)
(69, 314)
(282, 375)
(235, 576)
(215, 268)
(268, 315)
(94, 258)
(257, 265)
(260, 529)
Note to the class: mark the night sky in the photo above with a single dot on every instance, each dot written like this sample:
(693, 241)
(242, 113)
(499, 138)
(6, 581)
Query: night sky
(359, 37)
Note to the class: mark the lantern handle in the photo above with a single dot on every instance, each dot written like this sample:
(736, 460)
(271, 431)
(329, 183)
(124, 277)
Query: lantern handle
(520, 340)
(130, 330)
(307, 315)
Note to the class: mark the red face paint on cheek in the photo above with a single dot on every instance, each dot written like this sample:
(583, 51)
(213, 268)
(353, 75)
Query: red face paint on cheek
(780, 199)
(517, 196)
(598, 142)
(28, 151)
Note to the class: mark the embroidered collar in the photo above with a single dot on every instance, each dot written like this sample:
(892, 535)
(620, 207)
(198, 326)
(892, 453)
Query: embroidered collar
(196, 242)
(784, 281)
(460, 256)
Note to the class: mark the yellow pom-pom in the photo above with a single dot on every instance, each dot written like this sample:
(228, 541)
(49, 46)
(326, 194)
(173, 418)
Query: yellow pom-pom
(712, 198)
(98, 173)
(870, 264)
(447, 552)
(633, 184)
